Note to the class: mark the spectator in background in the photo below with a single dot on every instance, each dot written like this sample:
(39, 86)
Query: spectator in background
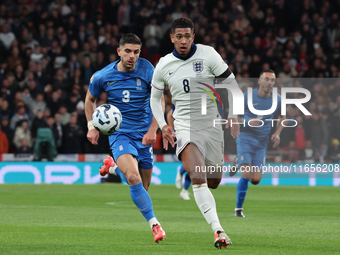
(59, 82)
(22, 132)
(111, 7)
(72, 103)
(86, 53)
(290, 153)
(3, 67)
(64, 114)
(59, 127)
(38, 122)
(73, 135)
(59, 58)
(300, 140)
(153, 36)
(308, 155)
(5, 112)
(6, 37)
(166, 25)
(334, 151)
(51, 124)
(123, 16)
(336, 125)
(30, 41)
(82, 122)
(37, 55)
(8, 131)
(100, 62)
(14, 59)
(73, 64)
(24, 148)
(241, 23)
(17, 26)
(4, 144)
(87, 70)
(20, 115)
(41, 34)
(54, 102)
(47, 113)
(41, 76)
(19, 75)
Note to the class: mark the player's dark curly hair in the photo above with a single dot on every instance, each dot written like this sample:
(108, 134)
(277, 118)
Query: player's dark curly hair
(130, 38)
(182, 23)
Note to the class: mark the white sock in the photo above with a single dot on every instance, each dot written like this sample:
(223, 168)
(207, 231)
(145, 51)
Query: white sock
(206, 203)
(112, 169)
(153, 221)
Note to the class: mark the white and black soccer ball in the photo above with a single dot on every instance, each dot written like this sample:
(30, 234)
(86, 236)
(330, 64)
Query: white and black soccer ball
(107, 119)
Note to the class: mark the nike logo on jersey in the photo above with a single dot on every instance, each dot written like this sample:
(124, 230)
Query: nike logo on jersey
(110, 83)
(171, 73)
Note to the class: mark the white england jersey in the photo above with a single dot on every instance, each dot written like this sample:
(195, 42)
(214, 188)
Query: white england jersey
(204, 64)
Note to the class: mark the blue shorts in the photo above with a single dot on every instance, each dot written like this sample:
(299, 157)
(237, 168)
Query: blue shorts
(131, 143)
(249, 153)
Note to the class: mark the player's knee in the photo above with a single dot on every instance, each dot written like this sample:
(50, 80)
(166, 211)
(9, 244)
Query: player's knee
(255, 181)
(214, 183)
(133, 178)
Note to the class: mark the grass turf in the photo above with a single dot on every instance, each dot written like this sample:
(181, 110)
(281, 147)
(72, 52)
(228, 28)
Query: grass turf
(102, 219)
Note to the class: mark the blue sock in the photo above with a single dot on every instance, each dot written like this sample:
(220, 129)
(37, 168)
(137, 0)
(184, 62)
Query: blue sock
(182, 170)
(121, 175)
(242, 188)
(187, 182)
(142, 200)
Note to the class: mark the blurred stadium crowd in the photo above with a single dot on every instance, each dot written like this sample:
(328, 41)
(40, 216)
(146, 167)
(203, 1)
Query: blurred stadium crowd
(50, 49)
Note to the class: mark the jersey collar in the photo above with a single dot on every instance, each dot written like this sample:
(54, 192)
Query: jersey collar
(192, 52)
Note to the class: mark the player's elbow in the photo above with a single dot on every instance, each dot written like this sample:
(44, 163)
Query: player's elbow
(214, 183)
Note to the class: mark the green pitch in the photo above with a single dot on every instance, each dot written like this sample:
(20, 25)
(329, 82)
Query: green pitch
(102, 219)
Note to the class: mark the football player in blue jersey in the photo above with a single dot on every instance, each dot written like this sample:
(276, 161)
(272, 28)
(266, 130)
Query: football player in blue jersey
(254, 137)
(127, 83)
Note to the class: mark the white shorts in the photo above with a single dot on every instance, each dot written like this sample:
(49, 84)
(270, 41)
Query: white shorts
(210, 142)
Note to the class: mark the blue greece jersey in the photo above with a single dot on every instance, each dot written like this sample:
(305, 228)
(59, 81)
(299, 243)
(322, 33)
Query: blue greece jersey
(130, 93)
(253, 141)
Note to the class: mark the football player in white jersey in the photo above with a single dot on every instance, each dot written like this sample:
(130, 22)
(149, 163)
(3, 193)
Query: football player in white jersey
(199, 143)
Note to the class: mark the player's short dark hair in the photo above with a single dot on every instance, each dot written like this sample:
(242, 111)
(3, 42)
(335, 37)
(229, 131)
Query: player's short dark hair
(182, 23)
(130, 38)
(267, 71)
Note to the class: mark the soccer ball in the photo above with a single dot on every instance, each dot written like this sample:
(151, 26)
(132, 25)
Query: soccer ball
(107, 119)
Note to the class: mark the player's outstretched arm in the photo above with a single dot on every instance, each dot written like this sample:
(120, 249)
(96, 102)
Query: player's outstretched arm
(90, 106)
(157, 110)
(276, 136)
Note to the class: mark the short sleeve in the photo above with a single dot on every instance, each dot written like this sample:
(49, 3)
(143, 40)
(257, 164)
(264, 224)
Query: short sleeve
(216, 63)
(95, 86)
(150, 74)
(157, 81)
